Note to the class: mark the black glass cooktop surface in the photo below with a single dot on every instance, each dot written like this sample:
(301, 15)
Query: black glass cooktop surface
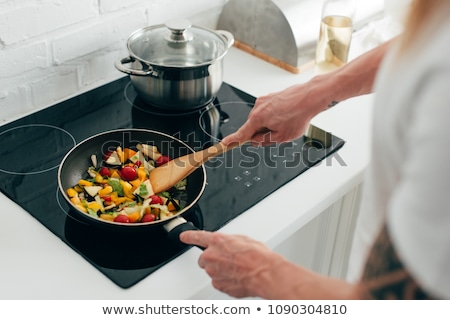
(33, 146)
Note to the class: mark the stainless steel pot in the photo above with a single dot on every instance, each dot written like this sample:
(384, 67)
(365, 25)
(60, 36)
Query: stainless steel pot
(176, 66)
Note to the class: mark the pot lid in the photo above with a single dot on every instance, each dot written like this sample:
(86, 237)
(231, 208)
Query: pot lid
(178, 44)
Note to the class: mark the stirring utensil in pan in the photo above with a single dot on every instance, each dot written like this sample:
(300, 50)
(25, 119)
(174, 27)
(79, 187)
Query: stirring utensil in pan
(166, 176)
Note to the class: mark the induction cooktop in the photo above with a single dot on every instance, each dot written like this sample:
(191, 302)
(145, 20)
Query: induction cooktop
(32, 148)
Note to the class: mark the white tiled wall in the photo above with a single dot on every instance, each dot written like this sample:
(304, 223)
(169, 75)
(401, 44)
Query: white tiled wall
(53, 49)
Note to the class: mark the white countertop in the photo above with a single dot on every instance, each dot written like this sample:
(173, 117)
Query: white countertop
(35, 264)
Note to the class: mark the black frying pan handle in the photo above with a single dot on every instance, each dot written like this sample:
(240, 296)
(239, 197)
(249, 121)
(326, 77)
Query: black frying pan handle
(178, 225)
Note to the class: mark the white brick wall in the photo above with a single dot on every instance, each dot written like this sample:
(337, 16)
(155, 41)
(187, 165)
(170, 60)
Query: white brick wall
(51, 50)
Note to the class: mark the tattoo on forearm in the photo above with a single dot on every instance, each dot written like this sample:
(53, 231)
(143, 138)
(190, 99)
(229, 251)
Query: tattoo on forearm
(384, 275)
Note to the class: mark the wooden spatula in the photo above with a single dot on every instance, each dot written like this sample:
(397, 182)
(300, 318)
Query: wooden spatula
(166, 176)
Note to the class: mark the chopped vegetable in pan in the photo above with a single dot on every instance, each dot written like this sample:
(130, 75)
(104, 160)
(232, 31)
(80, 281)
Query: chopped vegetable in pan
(117, 188)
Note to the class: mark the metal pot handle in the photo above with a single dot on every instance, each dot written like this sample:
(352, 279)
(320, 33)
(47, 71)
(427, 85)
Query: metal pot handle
(119, 64)
(228, 36)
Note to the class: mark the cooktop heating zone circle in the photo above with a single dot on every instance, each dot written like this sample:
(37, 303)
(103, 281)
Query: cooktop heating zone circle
(33, 148)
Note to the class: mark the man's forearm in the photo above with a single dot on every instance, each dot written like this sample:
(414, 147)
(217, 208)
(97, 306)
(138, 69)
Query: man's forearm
(288, 281)
(356, 77)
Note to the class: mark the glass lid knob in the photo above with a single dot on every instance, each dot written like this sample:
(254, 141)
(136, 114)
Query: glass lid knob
(179, 31)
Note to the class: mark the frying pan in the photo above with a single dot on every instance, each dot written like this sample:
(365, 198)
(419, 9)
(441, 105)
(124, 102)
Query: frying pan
(74, 167)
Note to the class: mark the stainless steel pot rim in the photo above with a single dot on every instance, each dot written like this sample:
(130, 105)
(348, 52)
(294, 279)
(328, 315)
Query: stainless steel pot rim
(219, 34)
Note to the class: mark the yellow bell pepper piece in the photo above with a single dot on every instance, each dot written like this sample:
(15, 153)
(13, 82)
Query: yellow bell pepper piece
(94, 205)
(75, 200)
(135, 183)
(128, 153)
(127, 189)
(171, 207)
(135, 216)
(106, 190)
(83, 182)
(107, 217)
(142, 175)
(120, 200)
(98, 178)
(81, 208)
(115, 173)
(71, 192)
